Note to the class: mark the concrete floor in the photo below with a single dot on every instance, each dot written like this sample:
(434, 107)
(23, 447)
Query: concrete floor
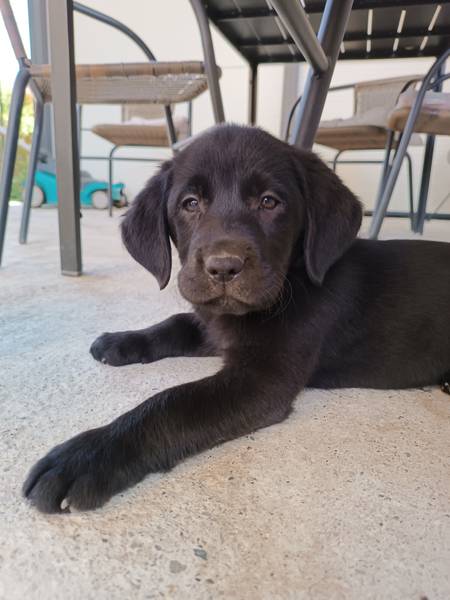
(348, 499)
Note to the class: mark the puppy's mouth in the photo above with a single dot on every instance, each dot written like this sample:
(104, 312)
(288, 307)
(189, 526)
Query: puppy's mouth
(226, 300)
(226, 304)
(236, 297)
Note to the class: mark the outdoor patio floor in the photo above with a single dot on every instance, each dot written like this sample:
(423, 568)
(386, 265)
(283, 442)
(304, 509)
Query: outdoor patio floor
(348, 499)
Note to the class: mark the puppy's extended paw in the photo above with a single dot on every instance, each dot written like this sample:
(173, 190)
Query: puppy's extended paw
(83, 473)
(121, 348)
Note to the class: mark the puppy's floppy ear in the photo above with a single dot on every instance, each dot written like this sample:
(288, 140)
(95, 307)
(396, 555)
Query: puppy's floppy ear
(145, 230)
(333, 214)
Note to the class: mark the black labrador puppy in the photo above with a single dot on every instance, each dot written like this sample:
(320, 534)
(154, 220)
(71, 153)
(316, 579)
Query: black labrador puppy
(281, 289)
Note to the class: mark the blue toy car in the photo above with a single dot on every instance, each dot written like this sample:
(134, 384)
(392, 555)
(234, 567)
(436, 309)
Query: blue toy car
(92, 192)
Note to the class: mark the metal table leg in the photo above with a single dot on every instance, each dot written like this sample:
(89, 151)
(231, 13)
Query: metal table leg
(60, 21)
(210, 60)
(331, 33)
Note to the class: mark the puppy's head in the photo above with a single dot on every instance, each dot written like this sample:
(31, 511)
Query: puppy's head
(242, 209)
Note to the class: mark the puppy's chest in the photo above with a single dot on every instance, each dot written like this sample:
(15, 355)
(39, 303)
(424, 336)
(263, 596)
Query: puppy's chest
(227, 333)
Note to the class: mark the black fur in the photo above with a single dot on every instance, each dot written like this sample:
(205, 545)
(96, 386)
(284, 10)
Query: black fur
(280, 288)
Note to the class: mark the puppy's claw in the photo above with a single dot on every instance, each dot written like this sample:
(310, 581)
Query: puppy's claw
(65, 505)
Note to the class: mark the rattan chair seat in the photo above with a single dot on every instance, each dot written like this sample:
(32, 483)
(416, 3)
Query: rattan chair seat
(158, 82)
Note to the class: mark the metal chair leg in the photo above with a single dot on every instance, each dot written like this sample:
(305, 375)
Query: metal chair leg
(385, 169)
(110, 180)
(335, 159)
(424, 185)
(34, 154)
(10, 150)
(386, 191)
(411, 190)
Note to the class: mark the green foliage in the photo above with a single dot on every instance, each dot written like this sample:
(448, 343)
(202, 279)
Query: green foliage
(26, 131)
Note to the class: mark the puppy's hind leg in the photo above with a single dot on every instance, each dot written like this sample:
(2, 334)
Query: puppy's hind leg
(179, 335)
(445, 383)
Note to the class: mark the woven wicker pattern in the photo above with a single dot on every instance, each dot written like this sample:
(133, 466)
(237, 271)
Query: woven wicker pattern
(379, 96)
(131, 134)
(352, 137)
(434, 115)
(159, 83)
(367, 129)
(142, 111)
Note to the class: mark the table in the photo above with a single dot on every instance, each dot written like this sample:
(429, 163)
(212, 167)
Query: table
(375, 29)
(263, 31)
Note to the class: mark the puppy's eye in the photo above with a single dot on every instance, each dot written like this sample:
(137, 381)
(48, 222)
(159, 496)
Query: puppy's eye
(268, 202)
(191, 203)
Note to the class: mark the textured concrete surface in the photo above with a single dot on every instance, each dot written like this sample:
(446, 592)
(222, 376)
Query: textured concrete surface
(348, 499)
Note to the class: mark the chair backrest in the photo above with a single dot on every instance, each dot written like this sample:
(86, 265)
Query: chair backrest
(381, 93)
(13, 30)
(142, 111)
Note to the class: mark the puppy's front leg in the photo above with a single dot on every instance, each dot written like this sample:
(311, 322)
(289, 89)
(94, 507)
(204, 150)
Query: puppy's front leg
(179, 335)
(176, 423)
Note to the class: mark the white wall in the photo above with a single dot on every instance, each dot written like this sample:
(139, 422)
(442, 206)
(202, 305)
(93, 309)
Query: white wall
(169, 27)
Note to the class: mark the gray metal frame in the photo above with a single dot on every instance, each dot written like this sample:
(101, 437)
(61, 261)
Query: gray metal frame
(63, 80)
(426, 170)
(29, 183)
(251, 26)
(210, 60)
(295, 20)
(252, 93)
(10, 148)
(321, 52)
(385, 162)
(331, 33)
(37, 17)
(430, 81)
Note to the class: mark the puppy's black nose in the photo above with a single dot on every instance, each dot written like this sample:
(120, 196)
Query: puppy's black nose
(223, 268)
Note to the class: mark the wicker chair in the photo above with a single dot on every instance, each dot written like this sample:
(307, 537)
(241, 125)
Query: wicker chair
(161, 83)
(427, 111)
(142, 125)
(434, 116)
(368, 128)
